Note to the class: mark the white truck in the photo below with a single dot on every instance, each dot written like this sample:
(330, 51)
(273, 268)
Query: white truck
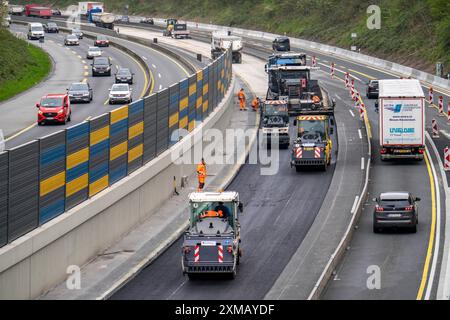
(103, 20)
(402, 119)
(221, 41)
(85, 7)
(16, 10)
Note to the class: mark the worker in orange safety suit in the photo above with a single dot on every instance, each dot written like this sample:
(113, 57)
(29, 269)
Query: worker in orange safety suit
(241, 97)
(255, 104)
(201, 173)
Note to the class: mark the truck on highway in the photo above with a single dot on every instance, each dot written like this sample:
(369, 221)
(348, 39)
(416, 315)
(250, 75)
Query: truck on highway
(180, 31)
(40, 12)
(221, 41)
(402, 119)
(290, 79)
(275, 122)
(103, 19)
(170, 23)
(212, 243)
(313, 145)
(16, 10)
(85, 7)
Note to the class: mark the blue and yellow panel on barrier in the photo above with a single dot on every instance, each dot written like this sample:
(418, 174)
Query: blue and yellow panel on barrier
(150, 124)
(52, 174)
(192, 93)
(184, 104)
(77, 164)
(135, 135)
(99, 154)
(199, 101)
(3, 198)
(205, 93)
(118, 152)
(174, 113)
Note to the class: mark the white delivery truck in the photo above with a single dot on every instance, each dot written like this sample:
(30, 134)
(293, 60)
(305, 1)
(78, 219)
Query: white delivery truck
(221, 41)
(402, 119)
(85, 7)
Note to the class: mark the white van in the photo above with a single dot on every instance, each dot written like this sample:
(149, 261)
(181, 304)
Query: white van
(35, 31)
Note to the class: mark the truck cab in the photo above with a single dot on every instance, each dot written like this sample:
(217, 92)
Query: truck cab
(170, 23)
(212, 242)
(313, 145)
(223, 40)
(275, 122)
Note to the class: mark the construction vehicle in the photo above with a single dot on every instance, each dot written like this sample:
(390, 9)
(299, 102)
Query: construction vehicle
(180, 31)
(221, 41)
(313, 145)
(84, 8)
(290, 79)
(103, 19)
(275, 122)
(213, 240)
(170, 23)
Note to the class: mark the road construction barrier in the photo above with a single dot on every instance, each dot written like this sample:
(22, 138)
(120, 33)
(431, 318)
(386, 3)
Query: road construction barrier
(447, 158)
(313, 61)
(434, 127)
(441, 105)
(46, 177)
(346, 77)
(352, 90)
(430, 96)
(332, 70)
(448, 113)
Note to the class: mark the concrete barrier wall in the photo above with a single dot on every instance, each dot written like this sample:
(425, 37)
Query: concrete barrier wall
(38, 261)
(357, 57)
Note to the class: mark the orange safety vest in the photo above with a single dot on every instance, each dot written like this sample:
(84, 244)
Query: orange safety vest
(211, 214)
(201, 171)
(241, 95)
(255, 103)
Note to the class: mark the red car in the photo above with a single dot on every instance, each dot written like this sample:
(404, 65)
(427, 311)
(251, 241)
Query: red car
(101, 41)
(54, 108)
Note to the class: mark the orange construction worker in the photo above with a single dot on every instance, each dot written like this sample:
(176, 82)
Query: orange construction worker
(241, 97)
(255, 104)
(201, 173)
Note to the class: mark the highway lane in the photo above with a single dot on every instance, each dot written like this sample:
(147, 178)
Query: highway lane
(279, 210)
(100, 85)
(164, 72)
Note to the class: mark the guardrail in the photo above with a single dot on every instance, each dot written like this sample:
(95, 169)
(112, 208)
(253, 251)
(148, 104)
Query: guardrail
(44, 178)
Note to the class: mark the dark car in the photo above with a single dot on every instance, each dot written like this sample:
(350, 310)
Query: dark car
(147, 20)
(80, 92)
(124, 75)
(395, 209)
(101, 66)
(101, 41)
(56, 12)
(372, 89)
(281, 44)
(51, 27)
(78, 33)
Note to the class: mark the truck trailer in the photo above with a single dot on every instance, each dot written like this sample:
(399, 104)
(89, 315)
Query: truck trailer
(402, 119)
(85, 7)
(40, 12)
(221, 41)
(103, 19)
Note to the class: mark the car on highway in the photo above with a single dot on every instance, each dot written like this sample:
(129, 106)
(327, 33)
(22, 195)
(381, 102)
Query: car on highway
(372, 89)
(77, 32)
(101, 41)
(71, 40)
(93, 52)
(124, 75)
(6, 22)
(101, 66)
(120, 93)
(35, 31)
(147, 21)
(54, 108)
(51, 27)
(281, 44)
(56, 12)
(80, 92)
(395, 209)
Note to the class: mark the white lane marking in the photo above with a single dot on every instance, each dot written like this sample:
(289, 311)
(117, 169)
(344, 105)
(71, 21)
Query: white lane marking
(153, 66)
(445, 133)
(159, 75)
(117, 67)
(337, 96)
(59, 44)
(438, 229)
(354, 205)
(359, 133)
(160, 87)
(145, 58)
(351, 112)
(362, 163)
